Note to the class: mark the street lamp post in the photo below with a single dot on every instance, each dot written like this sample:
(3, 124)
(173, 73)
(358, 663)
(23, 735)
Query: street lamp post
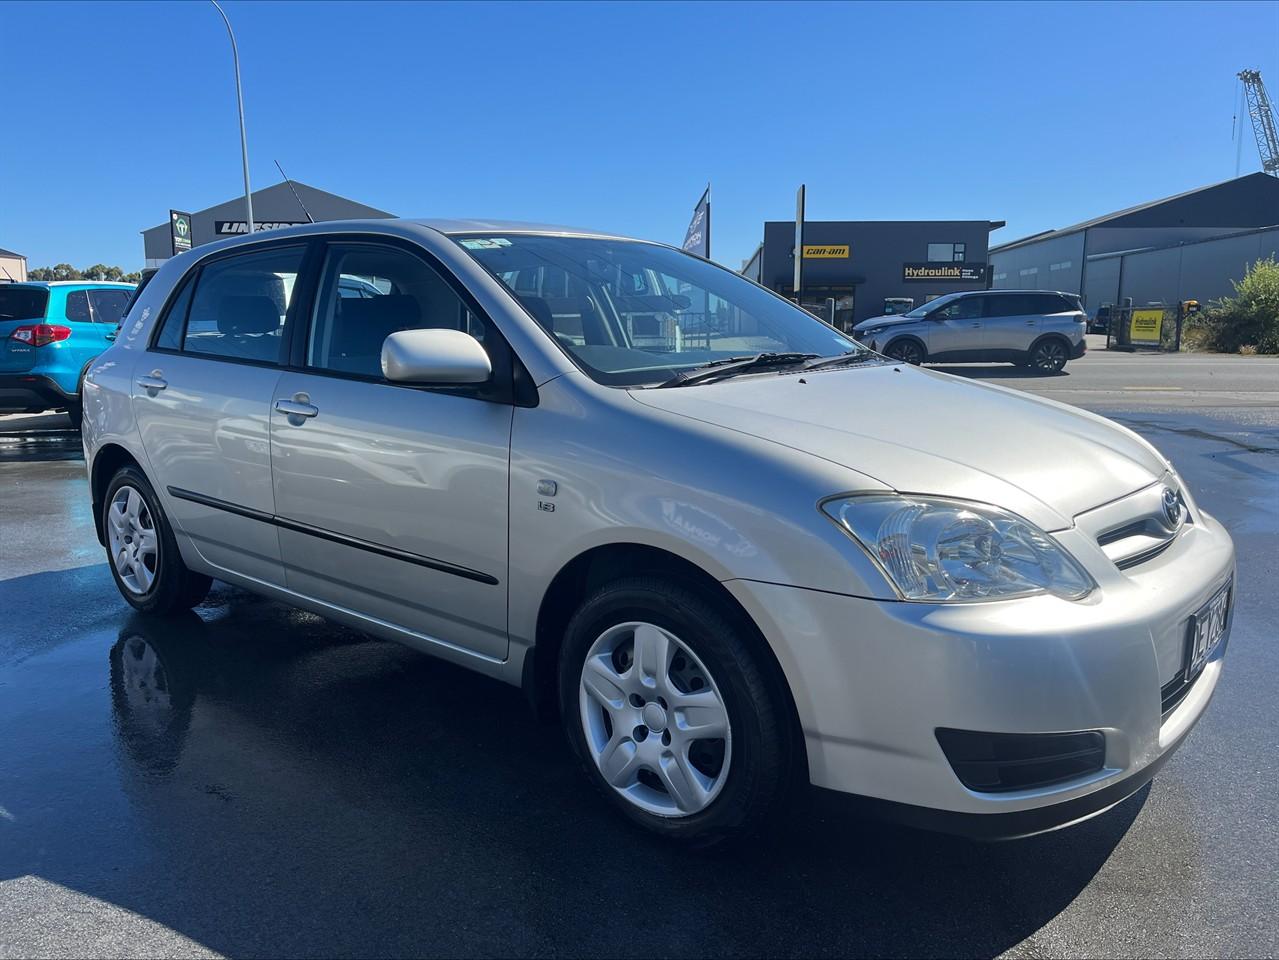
(239, 96)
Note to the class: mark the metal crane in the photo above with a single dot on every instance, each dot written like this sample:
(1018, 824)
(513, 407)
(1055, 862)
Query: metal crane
(1262, 114)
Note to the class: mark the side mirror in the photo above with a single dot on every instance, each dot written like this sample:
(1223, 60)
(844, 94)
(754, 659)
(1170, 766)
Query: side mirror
(434, 356)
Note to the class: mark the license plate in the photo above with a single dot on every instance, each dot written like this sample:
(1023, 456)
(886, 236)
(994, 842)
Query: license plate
(1207, 627)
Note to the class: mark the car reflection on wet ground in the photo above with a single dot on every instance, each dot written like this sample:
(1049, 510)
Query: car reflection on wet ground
(249, 779)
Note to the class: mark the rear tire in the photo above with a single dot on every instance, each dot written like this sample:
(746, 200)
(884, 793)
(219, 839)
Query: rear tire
(661, 687)
(141, 549)
(1048, 356)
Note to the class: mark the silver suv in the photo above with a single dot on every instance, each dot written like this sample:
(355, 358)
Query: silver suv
(625, 479)
(1039, 329)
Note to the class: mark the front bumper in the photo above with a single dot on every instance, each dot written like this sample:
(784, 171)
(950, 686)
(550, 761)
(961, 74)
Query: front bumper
(873, 681)
(20, 392)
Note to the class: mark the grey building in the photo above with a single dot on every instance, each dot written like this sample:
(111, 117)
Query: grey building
(1185, 247)
(274, 206)
(868, 266)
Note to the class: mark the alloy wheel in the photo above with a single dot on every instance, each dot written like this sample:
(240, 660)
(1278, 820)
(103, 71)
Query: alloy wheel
(133, 539)
(907, 352)
(655, 722)
(1050, 356)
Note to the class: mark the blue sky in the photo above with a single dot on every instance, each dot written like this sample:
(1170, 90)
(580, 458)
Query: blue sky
(617, 115)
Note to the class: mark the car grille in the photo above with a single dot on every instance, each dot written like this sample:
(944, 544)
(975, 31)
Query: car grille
(1135, 529)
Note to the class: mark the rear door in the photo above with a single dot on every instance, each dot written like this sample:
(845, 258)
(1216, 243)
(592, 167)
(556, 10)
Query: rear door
(202, 401)
(1012, 321)
(392, 498)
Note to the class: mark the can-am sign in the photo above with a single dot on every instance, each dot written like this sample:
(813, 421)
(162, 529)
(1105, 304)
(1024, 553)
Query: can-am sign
(964, 272)
(232, 228)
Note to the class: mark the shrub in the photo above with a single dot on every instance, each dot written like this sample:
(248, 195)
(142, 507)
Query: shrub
(1248, 319)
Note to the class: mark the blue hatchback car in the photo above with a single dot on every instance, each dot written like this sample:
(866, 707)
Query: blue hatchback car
(49, 334)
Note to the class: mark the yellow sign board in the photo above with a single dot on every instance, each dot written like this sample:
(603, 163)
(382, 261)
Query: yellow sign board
(825, 251)
(1146, 326)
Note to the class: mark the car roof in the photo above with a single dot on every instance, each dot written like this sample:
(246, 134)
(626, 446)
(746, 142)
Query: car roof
(455, 227)
(975, 293)
(47, 284)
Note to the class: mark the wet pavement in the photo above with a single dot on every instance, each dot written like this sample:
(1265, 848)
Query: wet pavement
(253, 781)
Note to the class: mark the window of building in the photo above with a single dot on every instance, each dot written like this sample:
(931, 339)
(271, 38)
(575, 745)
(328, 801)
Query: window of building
(1064, 265)
(947, 252)
(1028, 271)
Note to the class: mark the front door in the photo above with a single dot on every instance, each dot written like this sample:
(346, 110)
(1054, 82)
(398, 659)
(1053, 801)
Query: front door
(392, 499)
(202, 401)
(955, 329)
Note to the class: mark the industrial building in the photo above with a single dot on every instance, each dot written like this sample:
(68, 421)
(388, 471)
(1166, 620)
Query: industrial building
(1186, 247)
(282, 205)
(13, 267)
(871, 267)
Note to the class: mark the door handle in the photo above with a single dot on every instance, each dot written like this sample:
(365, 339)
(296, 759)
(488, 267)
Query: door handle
(976, 324)
(153, 381)
(300, 409)
(1031, 323)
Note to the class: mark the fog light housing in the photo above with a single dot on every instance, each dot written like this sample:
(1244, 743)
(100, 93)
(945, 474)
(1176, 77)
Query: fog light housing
(1002, 762)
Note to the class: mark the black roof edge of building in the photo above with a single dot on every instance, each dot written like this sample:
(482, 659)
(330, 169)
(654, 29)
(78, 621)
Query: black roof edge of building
(10, 253)
(1115, 215)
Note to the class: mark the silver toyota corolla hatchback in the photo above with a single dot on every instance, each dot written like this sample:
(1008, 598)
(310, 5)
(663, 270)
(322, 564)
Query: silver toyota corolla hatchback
(731, 548)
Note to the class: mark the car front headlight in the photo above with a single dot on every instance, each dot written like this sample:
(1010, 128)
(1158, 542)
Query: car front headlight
(872, 331)
(938, 550)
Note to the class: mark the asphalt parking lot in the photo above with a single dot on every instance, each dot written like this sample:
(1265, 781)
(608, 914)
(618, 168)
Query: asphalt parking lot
(250, 780)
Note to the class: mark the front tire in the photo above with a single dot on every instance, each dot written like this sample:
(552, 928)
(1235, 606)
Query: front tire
(141, 549)
(905, 351)
(672, 713)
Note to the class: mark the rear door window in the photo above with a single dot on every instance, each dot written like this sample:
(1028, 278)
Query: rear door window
(239, 305)
(1013, 305)
(22, 303)
(78, 306)
(109, 305)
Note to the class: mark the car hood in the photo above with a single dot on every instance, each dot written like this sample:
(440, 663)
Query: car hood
(888, 320)
(920, 431)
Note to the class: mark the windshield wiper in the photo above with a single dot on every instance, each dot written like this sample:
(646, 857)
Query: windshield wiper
(731, 366)
(857, 356)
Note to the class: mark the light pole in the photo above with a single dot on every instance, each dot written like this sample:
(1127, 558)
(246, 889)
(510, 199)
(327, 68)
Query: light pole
(239, 96)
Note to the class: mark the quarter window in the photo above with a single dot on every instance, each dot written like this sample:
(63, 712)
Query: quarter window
(109, 305)
(78, 306)
(240, 303)
(368, 293)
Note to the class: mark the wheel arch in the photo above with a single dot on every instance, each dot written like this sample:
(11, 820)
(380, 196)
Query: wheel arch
(913, 338)
(1051, 335)
(108, 459)
(601, 564)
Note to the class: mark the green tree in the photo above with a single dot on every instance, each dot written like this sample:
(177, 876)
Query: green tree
(99, 271)
(1248, 319)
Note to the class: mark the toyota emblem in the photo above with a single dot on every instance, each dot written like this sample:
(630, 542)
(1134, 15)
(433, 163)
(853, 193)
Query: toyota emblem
(1172, 507)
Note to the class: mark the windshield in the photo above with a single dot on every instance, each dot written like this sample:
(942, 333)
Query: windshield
(921, 311)
(633, 313)
(22, 303)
